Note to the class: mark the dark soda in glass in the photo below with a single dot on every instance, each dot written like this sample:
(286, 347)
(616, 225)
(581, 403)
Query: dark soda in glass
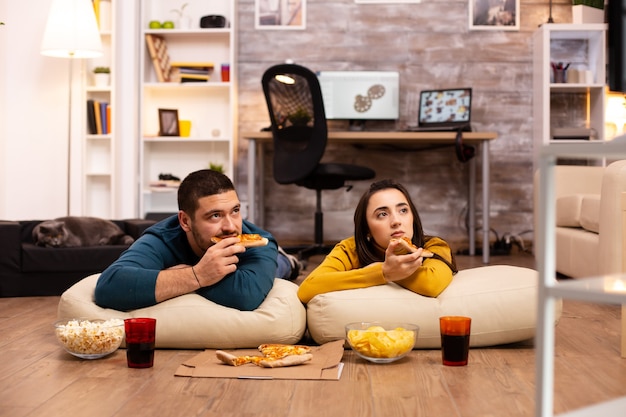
(454, 349)
(140, 342)
(140, 355)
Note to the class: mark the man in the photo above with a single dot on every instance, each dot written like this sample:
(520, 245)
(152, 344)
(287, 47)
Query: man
(176, 256)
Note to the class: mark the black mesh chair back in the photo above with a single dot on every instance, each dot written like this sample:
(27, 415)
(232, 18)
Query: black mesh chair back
(294, 101)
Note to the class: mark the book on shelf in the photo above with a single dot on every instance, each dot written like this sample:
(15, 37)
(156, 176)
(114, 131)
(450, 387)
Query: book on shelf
(103, 116)
(91, 118)
(98, 117)
(193, 64)
(157, 47)
(185, 72)
(183, 77)
(96, 108)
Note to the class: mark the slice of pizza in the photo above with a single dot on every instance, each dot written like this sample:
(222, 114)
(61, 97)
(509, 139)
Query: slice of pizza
(406, 246)
(274, 356)
(277, 351)
(248, 240)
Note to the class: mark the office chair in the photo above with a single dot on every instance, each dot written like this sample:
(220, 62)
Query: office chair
(298, 124)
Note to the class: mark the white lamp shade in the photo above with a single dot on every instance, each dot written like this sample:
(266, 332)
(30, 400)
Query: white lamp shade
(71, 30)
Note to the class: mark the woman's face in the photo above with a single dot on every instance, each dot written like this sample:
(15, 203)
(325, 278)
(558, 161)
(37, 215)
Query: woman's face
(389, 216)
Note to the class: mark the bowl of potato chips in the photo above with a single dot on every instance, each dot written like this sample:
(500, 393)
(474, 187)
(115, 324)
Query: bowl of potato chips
(381, 342)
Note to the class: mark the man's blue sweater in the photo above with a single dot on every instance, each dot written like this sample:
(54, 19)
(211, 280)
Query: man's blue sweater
(129, 283)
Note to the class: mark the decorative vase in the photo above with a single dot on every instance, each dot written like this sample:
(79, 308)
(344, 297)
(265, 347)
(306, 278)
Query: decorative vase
(184, 22)
(101, 79)
(586, 14)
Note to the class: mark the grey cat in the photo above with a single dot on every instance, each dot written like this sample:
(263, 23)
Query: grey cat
(71, 231)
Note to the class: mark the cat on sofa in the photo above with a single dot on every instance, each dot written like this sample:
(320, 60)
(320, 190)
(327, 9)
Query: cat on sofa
(71, 231)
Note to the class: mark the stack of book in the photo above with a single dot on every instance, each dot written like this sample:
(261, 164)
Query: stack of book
(186, 72)
(98, 117)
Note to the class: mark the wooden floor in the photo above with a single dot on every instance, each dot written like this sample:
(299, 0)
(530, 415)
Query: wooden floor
(37, 378)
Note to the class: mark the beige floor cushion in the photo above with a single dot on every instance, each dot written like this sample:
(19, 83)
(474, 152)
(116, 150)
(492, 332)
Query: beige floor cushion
(501, 300)
(193, 322)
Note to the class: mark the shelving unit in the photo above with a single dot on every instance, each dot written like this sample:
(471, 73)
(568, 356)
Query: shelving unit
(98, 184)
(603, 289)
(210, 106)
(577, 104)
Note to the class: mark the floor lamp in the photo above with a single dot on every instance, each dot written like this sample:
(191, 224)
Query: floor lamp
(71, 32)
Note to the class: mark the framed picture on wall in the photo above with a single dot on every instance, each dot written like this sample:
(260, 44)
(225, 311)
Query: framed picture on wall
(280, 14)
(494, 14)
(168, 122)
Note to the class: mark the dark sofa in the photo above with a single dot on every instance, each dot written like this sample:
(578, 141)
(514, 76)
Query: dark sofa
(30, 270)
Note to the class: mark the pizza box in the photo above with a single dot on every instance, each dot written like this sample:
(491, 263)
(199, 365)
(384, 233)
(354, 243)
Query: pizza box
(325, 365)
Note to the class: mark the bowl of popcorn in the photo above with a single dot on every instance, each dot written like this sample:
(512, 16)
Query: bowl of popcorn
(90, 338)
(380, 342)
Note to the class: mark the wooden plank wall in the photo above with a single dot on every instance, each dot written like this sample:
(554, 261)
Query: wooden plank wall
(431, 45)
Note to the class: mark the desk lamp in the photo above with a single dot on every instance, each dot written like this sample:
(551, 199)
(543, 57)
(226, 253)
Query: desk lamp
(71, 32)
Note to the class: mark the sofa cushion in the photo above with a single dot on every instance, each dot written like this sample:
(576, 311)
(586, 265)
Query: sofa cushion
(80, 259)
(193, 322)
(590, 213)
(501, 300)
(568, 210)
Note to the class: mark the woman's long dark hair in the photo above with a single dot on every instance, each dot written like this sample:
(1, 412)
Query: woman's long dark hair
(366, 250)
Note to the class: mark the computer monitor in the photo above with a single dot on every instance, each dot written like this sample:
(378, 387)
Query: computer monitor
(360, 95)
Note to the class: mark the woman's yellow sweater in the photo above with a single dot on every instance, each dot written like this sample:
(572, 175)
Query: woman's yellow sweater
(341, 270)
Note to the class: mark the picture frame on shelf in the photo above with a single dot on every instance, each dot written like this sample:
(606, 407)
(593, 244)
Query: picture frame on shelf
(270, 14)
(494, 14)
(168, 122)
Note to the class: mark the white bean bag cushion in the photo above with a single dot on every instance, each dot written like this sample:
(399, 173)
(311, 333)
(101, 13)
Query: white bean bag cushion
(500, 299)
(193, 322)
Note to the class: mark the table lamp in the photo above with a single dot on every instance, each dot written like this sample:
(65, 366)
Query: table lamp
(71, 32)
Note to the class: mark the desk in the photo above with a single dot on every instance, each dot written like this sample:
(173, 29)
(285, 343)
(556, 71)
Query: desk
(256, 169)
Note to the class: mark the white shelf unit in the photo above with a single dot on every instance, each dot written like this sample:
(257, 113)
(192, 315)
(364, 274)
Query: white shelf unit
(568, 105)
(605, 289)
(98, 183)
(210, 106)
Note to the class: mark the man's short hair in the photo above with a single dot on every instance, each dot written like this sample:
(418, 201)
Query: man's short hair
(202, 183)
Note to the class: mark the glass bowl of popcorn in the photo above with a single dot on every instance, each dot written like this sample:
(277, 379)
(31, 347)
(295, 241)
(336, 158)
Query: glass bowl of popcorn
(90, 338)
(381, 342)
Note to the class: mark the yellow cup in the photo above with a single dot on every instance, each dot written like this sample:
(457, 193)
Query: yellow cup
(185, 127)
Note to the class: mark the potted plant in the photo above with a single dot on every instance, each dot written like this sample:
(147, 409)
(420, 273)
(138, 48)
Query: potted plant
(101, 76)
(299, 118)
(184, 22)
(216, 167)
(587, 11)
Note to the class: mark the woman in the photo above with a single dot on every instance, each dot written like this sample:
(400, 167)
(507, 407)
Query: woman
(384, 213)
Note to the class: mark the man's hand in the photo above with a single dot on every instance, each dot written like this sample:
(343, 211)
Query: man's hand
(218, 261)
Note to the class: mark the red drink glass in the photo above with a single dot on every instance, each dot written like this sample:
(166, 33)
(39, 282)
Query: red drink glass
(455, 339)
(140, 334)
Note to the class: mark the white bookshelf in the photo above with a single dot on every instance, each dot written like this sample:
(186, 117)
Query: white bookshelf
(98, 150)
(210, 106)
(583, 47)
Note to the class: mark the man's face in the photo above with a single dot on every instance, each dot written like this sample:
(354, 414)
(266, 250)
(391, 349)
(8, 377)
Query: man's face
(217, 215)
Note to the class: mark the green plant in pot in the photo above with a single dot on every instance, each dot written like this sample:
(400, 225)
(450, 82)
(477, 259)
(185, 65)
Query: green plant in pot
(216, 167)
(101, 76)
(300, 117)
(597, 4)
(587, 11)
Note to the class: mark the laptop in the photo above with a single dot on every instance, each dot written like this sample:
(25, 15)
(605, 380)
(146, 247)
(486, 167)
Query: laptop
(444, 110)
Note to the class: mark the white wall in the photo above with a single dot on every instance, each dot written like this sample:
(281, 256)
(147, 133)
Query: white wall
(34, 100)
(33, 116)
